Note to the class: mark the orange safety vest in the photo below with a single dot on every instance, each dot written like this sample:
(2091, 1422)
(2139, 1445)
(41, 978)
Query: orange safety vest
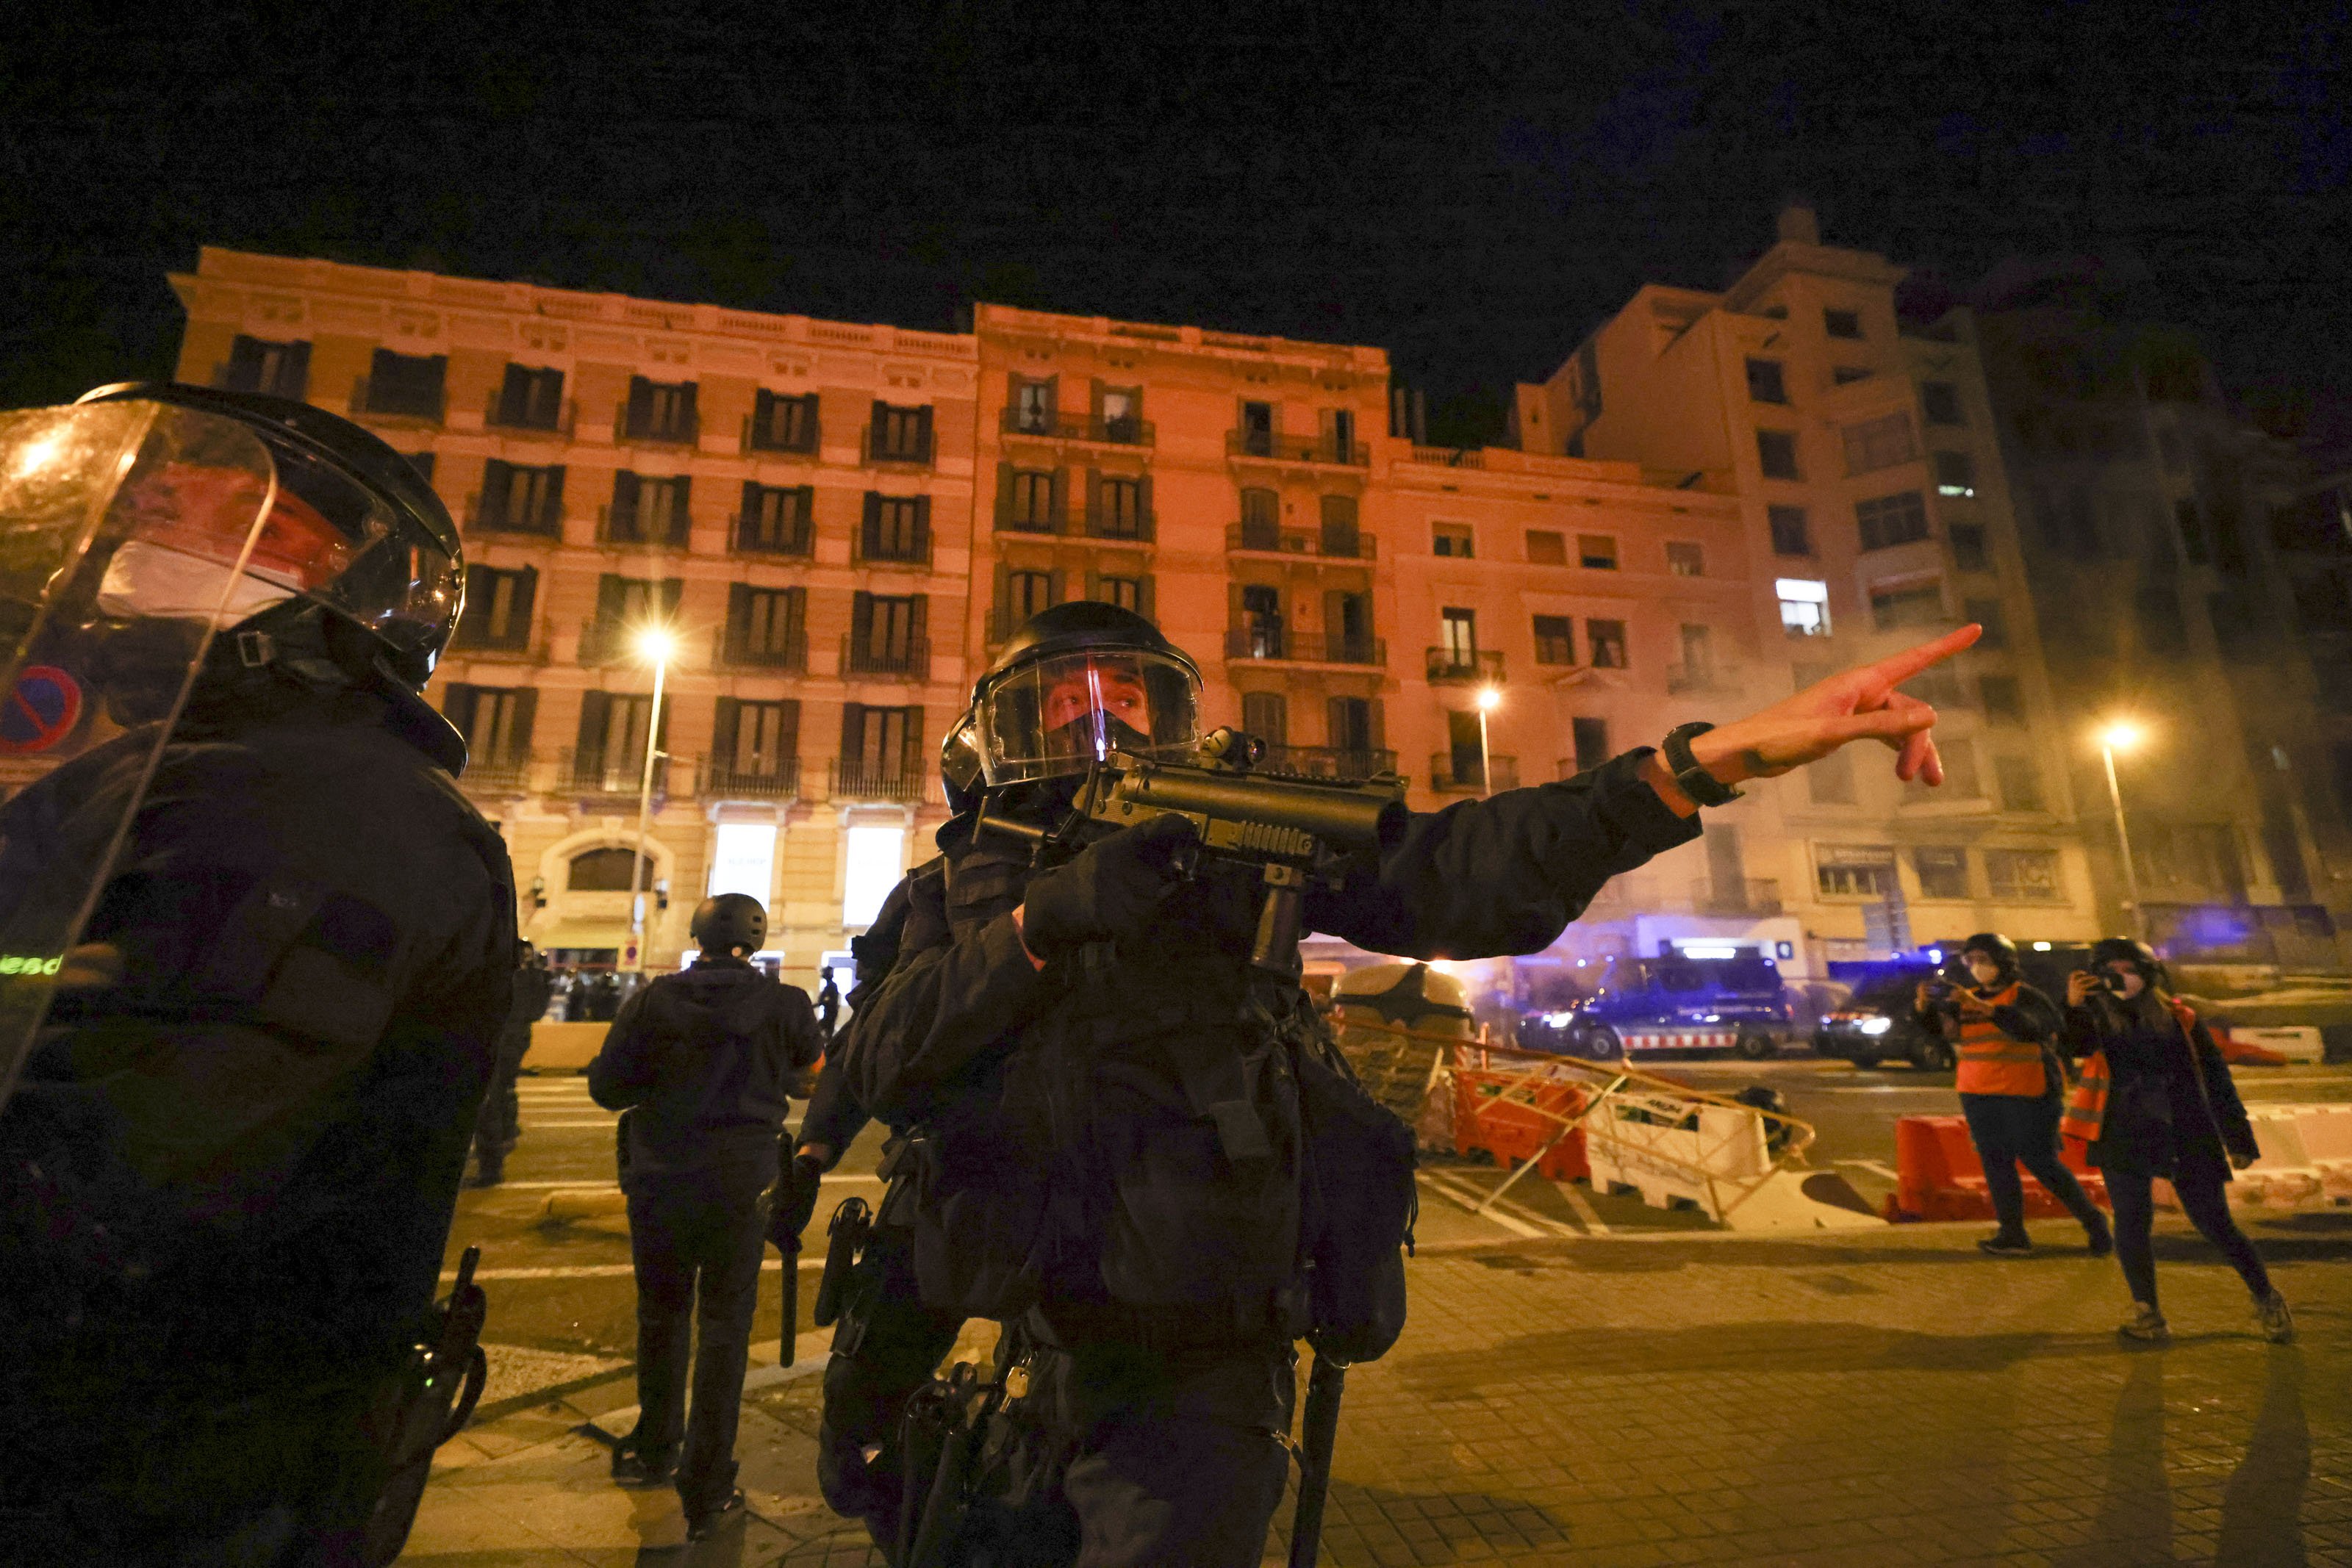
(1991, 1063)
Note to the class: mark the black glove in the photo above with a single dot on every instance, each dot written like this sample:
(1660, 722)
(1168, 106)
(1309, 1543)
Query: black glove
(1109, 893)
(794, 1201)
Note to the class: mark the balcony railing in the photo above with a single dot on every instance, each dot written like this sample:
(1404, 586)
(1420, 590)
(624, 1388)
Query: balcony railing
(779, 780)
(1138, 527)
(732, 649)
(1683, 678)
(684, 430)
(497, 775)
(908, 660)
(1445, 776)
(1128, 432)
(1331, 544)
(557, 420)
(1264, 641)
(756, 442)
(874, 450)
(1758, 895)
(615, 526)
(878, 548)
(373, 400)
(544, 522)
(747, 535)
(616, 775)
(1458, 667)
(1016, 520)
(1273, 446)
(1330, 761)
(515, 645)
(897, 786)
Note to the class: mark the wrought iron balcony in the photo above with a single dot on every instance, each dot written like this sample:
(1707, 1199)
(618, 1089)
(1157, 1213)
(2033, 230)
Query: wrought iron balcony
(1013, 520)
(1446, 778)
(1330, 544)
(1275, 447)
(776, 779)
(896, 786)
(758, 440)
(1126, 432)
(544, 521)
(515, 417)
(627, 525)
(878, 547)
(733, 649)
(618, 775)
(916, 451)
(909, 659)
(1272, 640)
(1459, 667)
(679, 429)
(1138, 527)
(1330, 761)
(507, 773)
(752, 536)
(372, 398)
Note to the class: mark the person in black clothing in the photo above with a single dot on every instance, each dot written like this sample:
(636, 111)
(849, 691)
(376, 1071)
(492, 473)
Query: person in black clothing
(704, 1063)
(229, 1169)
(2156, 1100)
(828, 1006)
(1096, 1068)
(499, 1127)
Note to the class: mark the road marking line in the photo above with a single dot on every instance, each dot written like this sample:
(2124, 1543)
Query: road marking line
(1584, 1207)
(1470, 1200)
(605, 1270)
(1874, 1167)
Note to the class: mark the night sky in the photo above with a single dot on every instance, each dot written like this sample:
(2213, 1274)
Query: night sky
(1471, 185)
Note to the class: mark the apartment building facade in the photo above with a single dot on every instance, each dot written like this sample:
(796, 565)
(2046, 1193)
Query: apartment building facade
(791, 498)
(1863, 463)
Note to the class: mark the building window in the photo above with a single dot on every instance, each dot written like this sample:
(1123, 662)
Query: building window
(1841, 323)
(886, 636)
(531, 398)
(1846, 375)
(881, 749)
(2192, 525)
(1986, 612)
(1830, 781)
(1026, 594)
(498, 608)
(776, 519)
(743, 860)
(1033, 405)
(1776, 451)
(1960, 781)
(1685, 559)
(781, 423)
(1956, 475)
(1596, 552)
(1450, 540)
(1881, 443)
(2022, 876)
(895, 529)
(521, 500)
(1355, 727)
(2003, 699)
(1118, 509)
(1846, 870)
(1257, 429)
(610, 755)
(625, 606)
(1122, 413)
(258, 365)
(1942, 870)
(1888, 520)
(757, 741)
(1261, 520)
(873, 860)
(1126, 592)
(900, 434)
(1604, 642)
(660, 411)
(605, 870)
(1591, 738)
(2020, 781)
(1765, 383)
(494, 721)
(1789, 535)
(1968, 541)
(1939, 403)
(1266, 714)
(408, 385)
(1461, 638)
(1892, 608)
(1804, 606)
(767, 626)
(1555, 639)
(1029, 501)
(648, 511)
(1546, 547)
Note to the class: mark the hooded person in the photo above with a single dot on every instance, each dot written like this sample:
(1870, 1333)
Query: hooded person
(704, 1062)
(2156, 1100)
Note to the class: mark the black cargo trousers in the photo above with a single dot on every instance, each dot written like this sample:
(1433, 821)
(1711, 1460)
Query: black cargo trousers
(696, 1236)
(886, 1347)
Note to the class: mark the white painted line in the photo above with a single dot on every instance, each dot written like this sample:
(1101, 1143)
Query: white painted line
(1874, 1167)
(1584, 1207)
(607, 1271)
(1470, 1200)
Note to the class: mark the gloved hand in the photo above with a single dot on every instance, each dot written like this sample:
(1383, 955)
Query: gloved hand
(1109, 893)
(792, 1201)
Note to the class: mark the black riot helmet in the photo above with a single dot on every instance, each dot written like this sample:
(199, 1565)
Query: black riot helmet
(2109, 950)
(959, 769)
(1996, 947)
(729, 921)
(357, 562)
(1076, 683)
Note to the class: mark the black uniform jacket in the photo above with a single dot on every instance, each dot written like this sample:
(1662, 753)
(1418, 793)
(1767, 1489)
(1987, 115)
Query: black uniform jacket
(1478, 879)
(707, 1060)
(2170, 1099)
(247, 1150)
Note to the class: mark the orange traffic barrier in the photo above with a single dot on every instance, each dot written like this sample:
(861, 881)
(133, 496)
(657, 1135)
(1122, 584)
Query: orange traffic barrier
(1512, 1115)
(1939, 1176)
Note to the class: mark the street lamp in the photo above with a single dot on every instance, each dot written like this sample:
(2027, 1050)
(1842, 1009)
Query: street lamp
(1489, 699)
(656, 645)
(2123, 736)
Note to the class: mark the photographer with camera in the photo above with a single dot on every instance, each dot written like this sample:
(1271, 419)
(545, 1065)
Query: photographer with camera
(2009, 1083)
(2156, 1100)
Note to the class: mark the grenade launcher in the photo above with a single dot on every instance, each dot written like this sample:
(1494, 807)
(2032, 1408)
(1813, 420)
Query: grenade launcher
(1295, 829)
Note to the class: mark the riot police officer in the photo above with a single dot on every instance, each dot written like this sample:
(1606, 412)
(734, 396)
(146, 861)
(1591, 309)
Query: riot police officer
(499, 1127)
(228, 1170)
(703, 1061)
(1108, 1147)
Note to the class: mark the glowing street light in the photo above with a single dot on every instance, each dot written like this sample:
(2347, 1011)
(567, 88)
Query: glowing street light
(656, 645)
(2123, 735)
(1489, 699)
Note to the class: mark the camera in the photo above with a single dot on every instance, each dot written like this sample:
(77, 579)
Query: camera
(1938, 992)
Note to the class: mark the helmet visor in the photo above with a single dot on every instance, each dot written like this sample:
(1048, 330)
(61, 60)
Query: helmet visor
(1064, 713)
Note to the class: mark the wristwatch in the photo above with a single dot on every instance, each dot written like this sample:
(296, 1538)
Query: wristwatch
(1696, 781)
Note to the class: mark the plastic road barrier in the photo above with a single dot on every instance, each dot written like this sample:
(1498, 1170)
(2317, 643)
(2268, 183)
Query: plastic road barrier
(2298, 1043)
(1939, 1176)
(2306, 1157)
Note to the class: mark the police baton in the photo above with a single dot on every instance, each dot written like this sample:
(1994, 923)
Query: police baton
(786, 1344)
(1318, 1434)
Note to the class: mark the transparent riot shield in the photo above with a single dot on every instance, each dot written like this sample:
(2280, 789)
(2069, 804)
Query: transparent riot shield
(128, 536)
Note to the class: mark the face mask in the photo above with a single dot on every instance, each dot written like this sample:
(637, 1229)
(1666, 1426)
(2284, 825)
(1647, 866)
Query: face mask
(1987, 974)
(2129, 984)
(146, 581)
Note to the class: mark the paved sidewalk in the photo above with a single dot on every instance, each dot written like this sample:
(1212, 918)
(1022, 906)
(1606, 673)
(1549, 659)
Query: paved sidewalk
(1621, 1402)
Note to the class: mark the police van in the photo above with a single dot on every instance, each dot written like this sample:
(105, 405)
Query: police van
(1674, 1002)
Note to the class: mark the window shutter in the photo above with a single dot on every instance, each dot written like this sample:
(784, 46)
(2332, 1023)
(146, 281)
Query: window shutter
(1004, 491)
(294, 372)
(1058, 506)
(595, 709)
(473, 621)
(612, 598)
(870, 535)
(1143, 603)
(457, 708)
(729, 718)
(853, 734)
(1095, 519)
(673, 589)
(551, 517)
(1378, 727)
(681, 516)
(526, 709)
(739, 616)
(625, 487)
(861, 619)
(918, 618)
(686, 405)
(923, 527)
(788, 729)
(923, 429)
(641, 403)
(910, 756)
(1143, 506)
(526, 590)
(795, 615)
(1335, 622)
(878, 422)
(1057, 587)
